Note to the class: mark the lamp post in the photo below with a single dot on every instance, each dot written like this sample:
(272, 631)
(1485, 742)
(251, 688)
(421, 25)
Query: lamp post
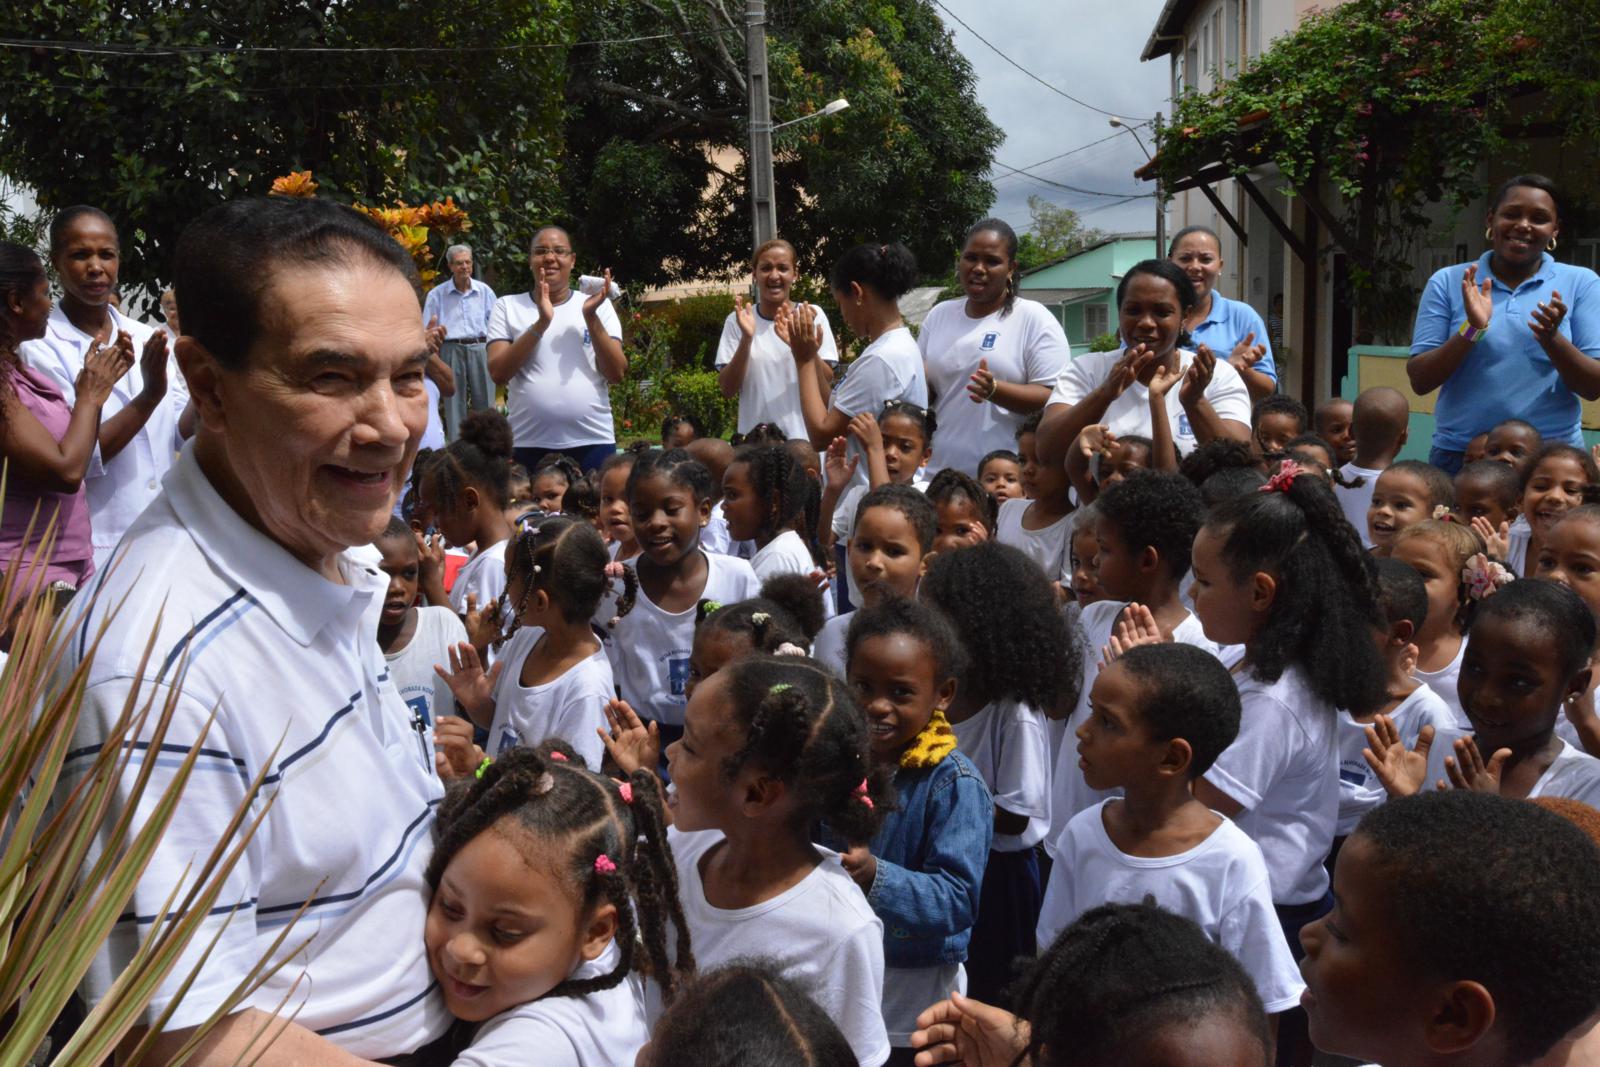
(763, 206)
(1161, 208)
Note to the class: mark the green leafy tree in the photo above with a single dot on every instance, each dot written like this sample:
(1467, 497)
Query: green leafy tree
(655, 168)
(1056, 233)
(167, 116)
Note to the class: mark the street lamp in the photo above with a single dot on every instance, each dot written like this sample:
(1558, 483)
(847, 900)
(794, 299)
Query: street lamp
(832, 107)
(1161, 209)
(763, 198)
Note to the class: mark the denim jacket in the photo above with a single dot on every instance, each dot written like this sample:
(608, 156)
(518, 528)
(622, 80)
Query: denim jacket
(931, 851)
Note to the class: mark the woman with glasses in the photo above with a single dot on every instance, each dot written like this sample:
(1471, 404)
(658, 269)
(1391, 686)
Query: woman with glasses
(558, 353)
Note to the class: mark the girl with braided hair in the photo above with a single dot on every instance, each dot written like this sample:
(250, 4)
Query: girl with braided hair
(553, 678)
(549, 881)
(765, 491)
(773, 745)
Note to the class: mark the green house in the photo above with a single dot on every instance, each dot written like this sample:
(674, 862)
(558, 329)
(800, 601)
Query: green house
(1081, 289)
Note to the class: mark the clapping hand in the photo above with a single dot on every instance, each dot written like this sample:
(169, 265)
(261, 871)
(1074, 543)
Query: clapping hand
(1546, 320)
(547, 307)
(430, 558)
(632, 744)
(1497, 542)
(1400, 771)
(1137, 627)
(838, 465)
(152, 361)
(1126, 370)
(433, 333)
(1467, 769)
(1161, 383)
(1246, 354)
(1198, 378)
(982, 385)
(592, 303)
(745, 316)
(103, 368)
(797, 327)
(1475, 298)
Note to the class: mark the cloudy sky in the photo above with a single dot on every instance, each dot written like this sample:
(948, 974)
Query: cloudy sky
(1090, 50)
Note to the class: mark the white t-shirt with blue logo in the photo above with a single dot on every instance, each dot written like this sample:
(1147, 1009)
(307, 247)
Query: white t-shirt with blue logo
(1025, 346)
(571, 707)
(1129, 414)
(427, 695)
(558, 398)
(649, 648)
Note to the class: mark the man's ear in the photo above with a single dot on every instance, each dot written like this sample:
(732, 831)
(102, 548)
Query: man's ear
(204, 375)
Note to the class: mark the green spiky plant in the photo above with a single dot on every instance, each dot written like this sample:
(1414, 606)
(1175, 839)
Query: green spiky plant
(70, 858)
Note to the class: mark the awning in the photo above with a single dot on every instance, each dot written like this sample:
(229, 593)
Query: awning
(1063, 297)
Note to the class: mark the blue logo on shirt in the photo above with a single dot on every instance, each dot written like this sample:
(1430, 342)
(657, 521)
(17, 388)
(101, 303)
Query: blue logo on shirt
(586, 338)
(988, 341)
(1183, 426)
(677, 674)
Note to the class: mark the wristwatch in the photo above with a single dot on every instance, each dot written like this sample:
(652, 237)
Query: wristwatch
(1471, 333)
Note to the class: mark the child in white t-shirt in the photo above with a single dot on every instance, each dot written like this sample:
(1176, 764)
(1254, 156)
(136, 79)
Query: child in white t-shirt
(1040, 525)
(1160, 715)
(415, 639)
(764, 495)
(539, 918)
(1440, 552)
(771, 746)
(896, 444)
(1022, 667)
(1409, 704)
(669, 501)
(465, 488)
(553, 679)
(615, 525)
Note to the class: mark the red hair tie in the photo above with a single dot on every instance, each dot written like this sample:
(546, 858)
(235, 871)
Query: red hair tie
(861, 794)
(1280, 482)
(627, 792)
(603, 865)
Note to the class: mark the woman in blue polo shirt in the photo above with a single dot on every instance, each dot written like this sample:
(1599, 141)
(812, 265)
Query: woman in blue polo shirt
(1513, 335)
(1232, 329)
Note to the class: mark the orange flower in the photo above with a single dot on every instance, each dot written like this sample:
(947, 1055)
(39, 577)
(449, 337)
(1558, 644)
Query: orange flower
(296, 183)
(446, 217)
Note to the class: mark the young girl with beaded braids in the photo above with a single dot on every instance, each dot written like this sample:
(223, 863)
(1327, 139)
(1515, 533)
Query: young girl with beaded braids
(764, 496)
(548, 882)
(771, 746)
(1282, 573)
(553, 678)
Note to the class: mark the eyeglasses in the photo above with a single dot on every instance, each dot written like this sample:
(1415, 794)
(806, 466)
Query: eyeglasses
(541, 250)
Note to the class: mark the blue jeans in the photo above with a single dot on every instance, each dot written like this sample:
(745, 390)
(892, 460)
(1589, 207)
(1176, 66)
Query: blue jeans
(1447, 461)
(588, 457)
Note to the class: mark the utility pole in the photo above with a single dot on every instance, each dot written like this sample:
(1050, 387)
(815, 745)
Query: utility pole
(762, 205)
(1161, 207)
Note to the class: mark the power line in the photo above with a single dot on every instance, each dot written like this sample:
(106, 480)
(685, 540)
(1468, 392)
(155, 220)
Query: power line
(1073, 188)
(1019, 66)
(1061, 170)
(93, 48)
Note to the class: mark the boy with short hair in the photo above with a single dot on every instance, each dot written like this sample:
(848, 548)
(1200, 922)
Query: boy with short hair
(1464, 932)
(1275, 421)
(1161, 715)
(415, 639)
(1332, 423)
(1378, 424)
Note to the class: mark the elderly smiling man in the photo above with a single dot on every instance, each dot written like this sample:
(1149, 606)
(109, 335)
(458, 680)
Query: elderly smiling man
(304, 355)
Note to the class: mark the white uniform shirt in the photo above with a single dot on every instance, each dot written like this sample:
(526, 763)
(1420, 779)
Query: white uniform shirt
(482, 577)
(602, 1029)
(1573, 774)
(771, 388)
(1284, 770)
(829, 647)
(1049, 546)
(426, 694)
(820, 933)
(1130, 412)
(890, 368)
(1355, 500)
(649, 648)
(118, 489)
(290, 663)
(1221, 884)
(1025, 346)
(557, 399)
(1359, 789)
(571, 707)
(1443, 683)
(1007, 743)
(787, 554)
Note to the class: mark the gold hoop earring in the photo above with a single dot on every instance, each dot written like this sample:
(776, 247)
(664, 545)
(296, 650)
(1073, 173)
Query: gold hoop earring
(1552, 247)
(1488, 233)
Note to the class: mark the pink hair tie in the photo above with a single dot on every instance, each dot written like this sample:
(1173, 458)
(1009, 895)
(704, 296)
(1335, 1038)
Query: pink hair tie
(861, 794)
(1284, 479)
(627, 792)
(603, 865)
(559, 756)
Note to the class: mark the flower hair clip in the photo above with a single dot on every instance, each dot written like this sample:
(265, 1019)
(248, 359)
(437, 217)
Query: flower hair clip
(760, 618)
(603, 865)
(1442, 513)
(1483, 577)
(710, 607)
(1281, 482)
(789, 648)
(861, 794)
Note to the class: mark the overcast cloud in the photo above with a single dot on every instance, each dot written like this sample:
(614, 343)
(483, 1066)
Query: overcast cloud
(1088, 49)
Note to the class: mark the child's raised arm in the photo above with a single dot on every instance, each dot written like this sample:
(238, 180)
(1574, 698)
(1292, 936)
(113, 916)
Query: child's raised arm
(1163, 452)
(1402, 772)
(1093, 441)
(469, 684)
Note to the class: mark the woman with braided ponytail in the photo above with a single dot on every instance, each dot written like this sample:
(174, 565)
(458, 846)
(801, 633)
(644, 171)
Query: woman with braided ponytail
(992, 357)
(548, 881)
(1281, 581)
(553, 678)
(773, 745)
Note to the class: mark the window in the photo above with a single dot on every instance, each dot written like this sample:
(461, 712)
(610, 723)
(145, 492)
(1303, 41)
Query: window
(1585, 252)
(1191, 66)
(1230, 37)
(1096, 321)
(1440, 258)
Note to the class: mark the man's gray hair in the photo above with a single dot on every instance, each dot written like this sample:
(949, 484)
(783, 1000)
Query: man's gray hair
(450, 253)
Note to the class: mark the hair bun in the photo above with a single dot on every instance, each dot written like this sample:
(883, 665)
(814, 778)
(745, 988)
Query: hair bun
(488, 430)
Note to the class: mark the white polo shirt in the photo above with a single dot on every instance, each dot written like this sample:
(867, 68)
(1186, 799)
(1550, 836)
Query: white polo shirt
(119, 489)
(1129, 413)
(291, 664)
(558, 398)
